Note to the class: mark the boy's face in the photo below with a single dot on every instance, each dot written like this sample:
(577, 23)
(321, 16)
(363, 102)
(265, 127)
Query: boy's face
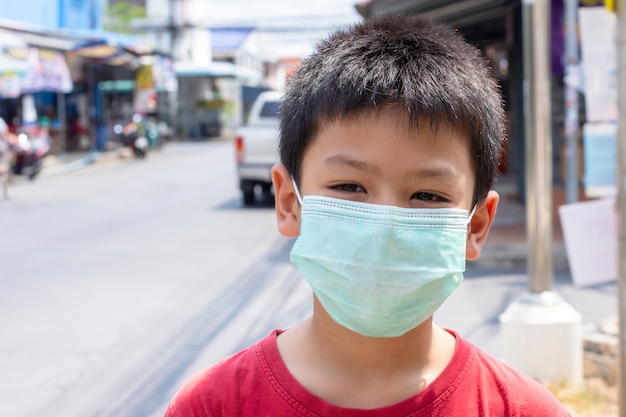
(377, 159)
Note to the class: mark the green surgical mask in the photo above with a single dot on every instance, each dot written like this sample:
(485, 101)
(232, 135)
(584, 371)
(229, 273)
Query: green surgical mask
(377, 270)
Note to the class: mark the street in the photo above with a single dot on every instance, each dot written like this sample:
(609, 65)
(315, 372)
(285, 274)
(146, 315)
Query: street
(122, 279)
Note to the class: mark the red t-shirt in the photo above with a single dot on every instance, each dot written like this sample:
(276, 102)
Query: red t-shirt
(256, 382)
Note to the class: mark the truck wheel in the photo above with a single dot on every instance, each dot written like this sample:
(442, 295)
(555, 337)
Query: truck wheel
(248, 196)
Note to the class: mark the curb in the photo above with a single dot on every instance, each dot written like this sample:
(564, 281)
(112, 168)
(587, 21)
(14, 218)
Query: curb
(74, 165)
(62, 167)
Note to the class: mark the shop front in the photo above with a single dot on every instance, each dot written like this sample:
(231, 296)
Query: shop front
(70, 82)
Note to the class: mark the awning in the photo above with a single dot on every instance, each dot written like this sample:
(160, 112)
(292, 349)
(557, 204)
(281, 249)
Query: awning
(8, 39)
(111, 48)
(46, 41)
(104, 44)
(457, 13)
(229, 38)
(214, 69)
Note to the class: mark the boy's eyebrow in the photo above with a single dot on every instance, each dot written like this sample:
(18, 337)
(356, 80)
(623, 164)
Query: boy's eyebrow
(440, 171)
(340, 159)
(425, 172)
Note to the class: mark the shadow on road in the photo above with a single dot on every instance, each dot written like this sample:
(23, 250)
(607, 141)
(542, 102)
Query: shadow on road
(263, 202)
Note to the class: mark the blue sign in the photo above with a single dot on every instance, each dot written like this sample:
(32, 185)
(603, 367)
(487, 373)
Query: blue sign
(600, 158)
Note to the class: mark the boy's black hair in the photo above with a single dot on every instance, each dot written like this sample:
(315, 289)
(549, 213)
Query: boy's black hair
(406, 62)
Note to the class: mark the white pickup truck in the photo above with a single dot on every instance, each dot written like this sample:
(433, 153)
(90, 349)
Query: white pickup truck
(256, 146)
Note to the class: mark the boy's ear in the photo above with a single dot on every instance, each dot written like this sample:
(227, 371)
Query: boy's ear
(287, 206)
(480, 225)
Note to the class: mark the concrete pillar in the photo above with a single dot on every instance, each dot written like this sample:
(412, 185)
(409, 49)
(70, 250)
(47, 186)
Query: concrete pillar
(542, 337)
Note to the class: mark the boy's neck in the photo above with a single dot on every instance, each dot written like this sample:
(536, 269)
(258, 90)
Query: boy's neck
(319, 350)
(416, 348)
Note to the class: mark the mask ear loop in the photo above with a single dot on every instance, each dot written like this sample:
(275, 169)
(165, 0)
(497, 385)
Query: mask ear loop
(295, 186)
(469, 217)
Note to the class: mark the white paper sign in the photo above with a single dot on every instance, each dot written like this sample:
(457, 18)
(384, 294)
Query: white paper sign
(590, 234)
(597, 27)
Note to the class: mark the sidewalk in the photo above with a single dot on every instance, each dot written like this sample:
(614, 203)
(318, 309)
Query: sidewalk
(507, 244)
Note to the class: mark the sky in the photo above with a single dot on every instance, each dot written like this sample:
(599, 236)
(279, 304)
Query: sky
(285, 27)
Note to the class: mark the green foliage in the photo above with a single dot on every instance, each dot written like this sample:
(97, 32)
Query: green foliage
(119, 16)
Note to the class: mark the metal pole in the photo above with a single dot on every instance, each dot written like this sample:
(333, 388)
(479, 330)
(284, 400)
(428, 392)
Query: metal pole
(571, 102)
(536, 18)
(541, 333)
(62, 122)
(621, 197)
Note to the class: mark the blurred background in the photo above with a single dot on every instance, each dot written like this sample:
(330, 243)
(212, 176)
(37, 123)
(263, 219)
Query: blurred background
(129, 259)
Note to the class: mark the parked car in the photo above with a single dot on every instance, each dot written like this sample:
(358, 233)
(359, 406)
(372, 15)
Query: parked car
(256, 146)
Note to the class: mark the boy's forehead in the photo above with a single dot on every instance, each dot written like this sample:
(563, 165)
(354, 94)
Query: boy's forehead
(422, 126)
(440, 150)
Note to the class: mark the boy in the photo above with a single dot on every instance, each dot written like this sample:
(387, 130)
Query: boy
(390, 136)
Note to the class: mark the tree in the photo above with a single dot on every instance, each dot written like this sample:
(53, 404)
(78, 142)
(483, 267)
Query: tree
(119, 15)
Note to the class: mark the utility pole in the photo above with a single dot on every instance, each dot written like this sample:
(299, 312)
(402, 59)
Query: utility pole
(535, 19)
(541, 333)
(621, 199)
(173, 27)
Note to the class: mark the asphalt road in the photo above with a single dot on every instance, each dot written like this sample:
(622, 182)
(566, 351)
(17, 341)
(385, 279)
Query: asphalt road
(119, 281)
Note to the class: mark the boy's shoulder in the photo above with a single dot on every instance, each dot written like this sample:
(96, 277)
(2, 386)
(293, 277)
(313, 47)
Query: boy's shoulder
(491, 382)
(236, 381)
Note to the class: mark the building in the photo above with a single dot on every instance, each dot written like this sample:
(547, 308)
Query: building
(72, 66)
(495, 26)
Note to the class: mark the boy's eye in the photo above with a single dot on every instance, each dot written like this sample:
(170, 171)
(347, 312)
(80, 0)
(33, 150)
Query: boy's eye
(424, 196)
(349, 188)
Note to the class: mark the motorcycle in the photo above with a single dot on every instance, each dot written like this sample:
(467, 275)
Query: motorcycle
(33, 143)
(130, 136)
